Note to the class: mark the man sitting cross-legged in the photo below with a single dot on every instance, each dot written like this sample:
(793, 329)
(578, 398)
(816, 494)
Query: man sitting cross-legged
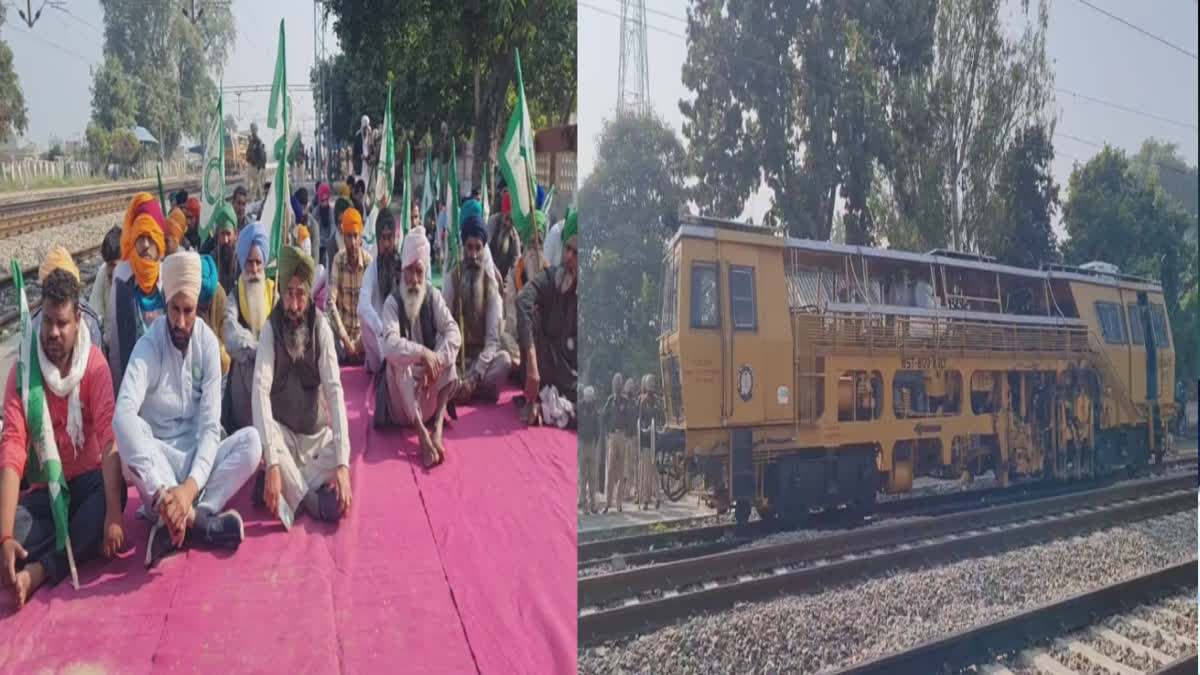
(168, 428)
(74, 412)
(298, 388)
(419, 343)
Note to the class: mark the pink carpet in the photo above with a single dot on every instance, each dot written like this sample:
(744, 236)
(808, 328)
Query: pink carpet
(468, 568)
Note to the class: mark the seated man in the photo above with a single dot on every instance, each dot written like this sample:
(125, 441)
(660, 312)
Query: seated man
(168, 424)
(135, 300)
(176, 227)
(110, 251)
(299, 409)
(420, 343)
(74, 432)
(245, 317)
(60, 259)
(546, 325)
(222, 246)
(345, 284)
(210, 307)
(377, 285)
(474, 300)
(191, 209)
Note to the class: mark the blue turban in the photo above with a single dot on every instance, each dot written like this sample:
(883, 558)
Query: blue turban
(473, 227)
(541, 196)
(469, 208)
(254, 234)
(208, 279)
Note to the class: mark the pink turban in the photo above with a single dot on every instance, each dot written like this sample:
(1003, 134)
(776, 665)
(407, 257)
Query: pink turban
(181, 272)
(416, 247)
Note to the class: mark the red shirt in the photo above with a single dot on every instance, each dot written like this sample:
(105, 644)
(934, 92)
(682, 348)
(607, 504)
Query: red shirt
(96, 397)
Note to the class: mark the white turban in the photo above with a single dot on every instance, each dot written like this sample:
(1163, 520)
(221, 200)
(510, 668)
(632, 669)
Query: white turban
(366, 120)
(181, 272)
(416, 247)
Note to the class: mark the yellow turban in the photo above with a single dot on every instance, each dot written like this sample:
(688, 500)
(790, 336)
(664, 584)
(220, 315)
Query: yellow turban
(145, 271)
(58, 258)
(352, 221)
(301, 233)
(176, 224)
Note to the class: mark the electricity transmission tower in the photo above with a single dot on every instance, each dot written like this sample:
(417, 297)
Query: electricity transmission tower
(633, 84)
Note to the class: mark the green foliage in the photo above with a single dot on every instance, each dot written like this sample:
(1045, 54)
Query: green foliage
(113, 103)
(168, 61)
(444, 57)
(638, 178)
(1026, 198)
(13, 115)
(125, 148)
(99, 147)
(53, 153)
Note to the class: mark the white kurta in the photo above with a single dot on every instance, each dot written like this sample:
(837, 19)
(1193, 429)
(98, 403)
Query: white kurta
(403, 359)
(167, 422)
(306, 461)
(492, 364)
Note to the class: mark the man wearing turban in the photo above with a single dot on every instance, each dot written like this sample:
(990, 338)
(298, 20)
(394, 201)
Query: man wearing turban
(649, 414)
(420, 345)
(377, 284)
(589, 450)
(59, 258)
(76, 409)
(192, 210)
(325, 227)
(474, 300)
(546, 325)
(245, 315)
(222, 246)
(168, 423)
(135, 300)
(298, 405)
(210, 307)
(176, 226)
(345, 284)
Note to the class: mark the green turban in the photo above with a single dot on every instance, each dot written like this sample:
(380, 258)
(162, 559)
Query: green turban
(295, 262)
(224, 218)
(539, 218)
(469, 208)
(572, 227)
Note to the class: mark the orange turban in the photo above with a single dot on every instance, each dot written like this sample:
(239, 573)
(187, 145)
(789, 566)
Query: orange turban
(352, 221)
(192, 208)
(302, 232)
(58, 258)
(176, 224)
(143, 203)
(145, 271)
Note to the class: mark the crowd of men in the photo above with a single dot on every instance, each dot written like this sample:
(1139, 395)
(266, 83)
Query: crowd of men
(622, 426)
(190, 370)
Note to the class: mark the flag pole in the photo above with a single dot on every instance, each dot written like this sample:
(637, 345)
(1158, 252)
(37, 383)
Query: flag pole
(71, 564)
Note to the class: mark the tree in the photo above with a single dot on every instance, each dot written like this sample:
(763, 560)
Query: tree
(113, 103)
(231, 126)
(99, 147)
(125, 149)
(791, 96)
(1026, 199)
(452, 63)
(13, 119)
(168, 60)
(954, 121)
(638, 177)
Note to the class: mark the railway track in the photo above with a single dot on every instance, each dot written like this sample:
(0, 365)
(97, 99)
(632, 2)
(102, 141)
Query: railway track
(13, 315)
(1102, 629)
(622, 603)
(642, 546)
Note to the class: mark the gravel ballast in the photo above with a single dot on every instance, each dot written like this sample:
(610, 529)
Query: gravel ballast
(862, 620)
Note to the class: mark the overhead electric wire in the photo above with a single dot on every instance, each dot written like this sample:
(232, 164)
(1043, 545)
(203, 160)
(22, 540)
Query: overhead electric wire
(1139, 29)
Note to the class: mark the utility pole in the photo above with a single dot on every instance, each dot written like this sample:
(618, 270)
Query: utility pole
(30, 17)
(193, 15)
(633, 79)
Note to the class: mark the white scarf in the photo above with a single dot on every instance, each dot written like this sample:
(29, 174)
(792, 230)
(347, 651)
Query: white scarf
(68, 387)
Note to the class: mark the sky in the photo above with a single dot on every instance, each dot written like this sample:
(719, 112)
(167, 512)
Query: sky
(54, 60)
(1092, 55)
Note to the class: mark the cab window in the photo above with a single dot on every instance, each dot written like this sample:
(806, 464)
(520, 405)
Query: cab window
(1158, 318)
(705, 301)
(1112, 323)
(670, 312)
(1135, 324)
(741, 295)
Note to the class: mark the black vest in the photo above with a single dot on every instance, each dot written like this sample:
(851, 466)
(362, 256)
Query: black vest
(428, 324)
(296, 389)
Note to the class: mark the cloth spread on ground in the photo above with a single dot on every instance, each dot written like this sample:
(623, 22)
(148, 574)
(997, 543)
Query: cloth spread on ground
(406, 579)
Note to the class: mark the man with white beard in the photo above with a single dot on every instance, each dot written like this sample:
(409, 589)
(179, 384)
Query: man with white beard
(547, 323)
(420, 343)
(245, 314)
(299, 408)
(473, 298)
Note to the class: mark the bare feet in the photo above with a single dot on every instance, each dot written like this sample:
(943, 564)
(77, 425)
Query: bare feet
(429, 452)
(440, 447)
(27, 581)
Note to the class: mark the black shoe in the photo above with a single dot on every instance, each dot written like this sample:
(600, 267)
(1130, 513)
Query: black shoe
(224, 529)
(327, 505)
(260, 482)
(159, 545)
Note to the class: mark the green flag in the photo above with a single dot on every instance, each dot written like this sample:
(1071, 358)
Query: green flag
(162, 197)
(546, 203)
(213, 188)
(43, 464)
(428, 199)
(406, 206)
(452, 243)
(277, 204)
(517, 163)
